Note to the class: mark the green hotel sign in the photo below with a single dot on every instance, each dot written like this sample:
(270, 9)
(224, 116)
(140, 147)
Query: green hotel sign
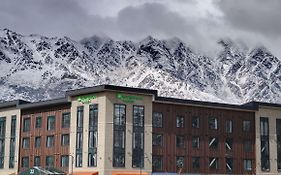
(128, 98)
(85, 99)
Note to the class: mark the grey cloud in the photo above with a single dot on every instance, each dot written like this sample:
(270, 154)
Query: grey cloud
(253, 15)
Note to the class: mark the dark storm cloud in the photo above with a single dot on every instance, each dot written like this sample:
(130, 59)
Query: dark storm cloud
(263, 16)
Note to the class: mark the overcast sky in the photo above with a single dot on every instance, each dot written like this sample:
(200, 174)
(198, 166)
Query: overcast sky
(200, 23)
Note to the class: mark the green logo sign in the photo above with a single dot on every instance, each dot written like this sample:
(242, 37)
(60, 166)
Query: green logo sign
(86, 98)
(128, 98)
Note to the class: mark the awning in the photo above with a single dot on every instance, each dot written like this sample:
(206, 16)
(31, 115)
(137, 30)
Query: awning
(42, 171)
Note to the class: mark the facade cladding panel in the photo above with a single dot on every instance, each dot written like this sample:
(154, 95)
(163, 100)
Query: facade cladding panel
(210, 142)
(43, 128)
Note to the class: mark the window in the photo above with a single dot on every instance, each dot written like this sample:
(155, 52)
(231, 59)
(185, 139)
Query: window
(157, 139)
(64, 161)
(138, 136)
(51, 123)
(228, 126)
(26, 124)
(79, 136)
(157, 163)
(79, 141)
(180, 141)
(12, 142)
(180, 122)
(2, 140)
(93, 136)
(213, 143)
(65, 123)
(37, 142)
(78, 159)
(247, 146)
(195, 142)
(213, 123)
(37, 161)
(228, 144)
(49, 161)
(195, 122)
(213, 163)
(247, 165)
(38, 122)
(50, 141)
(25, 142)
(278, 133)
(264, 138)
(92, 159)
(25, 162)
(246, 125)
(119, 127)
(65, 140)
(196, 163)
(229, 164)
(157, 120)
(180, 161)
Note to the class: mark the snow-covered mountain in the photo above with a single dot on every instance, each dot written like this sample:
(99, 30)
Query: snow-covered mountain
(36, 68)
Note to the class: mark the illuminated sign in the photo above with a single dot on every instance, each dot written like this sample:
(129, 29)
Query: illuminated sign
(128, 98)
(86, 98)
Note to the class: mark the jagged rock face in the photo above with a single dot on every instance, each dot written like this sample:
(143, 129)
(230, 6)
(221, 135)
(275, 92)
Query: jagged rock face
(37, 68)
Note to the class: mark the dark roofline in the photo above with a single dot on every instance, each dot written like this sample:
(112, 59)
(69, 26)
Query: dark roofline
(14, 103)
(257, 104)
(102, 88)
(204, 103)
(53, 102)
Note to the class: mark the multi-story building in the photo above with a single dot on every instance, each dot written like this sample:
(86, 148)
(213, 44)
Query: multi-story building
(113, 130)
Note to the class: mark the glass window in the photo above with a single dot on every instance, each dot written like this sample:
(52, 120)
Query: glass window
(119, 114)
(12, 142)
(65, 123)
(51, 123)
(246, 125)
(78, 160)
(92, 159)
(79, 140)
(93, 136)
(119, 139)
(247, 146)
(13, 125)
(64, 161)
(25, 142)
(26, 124)
(180, 161)
(157, 139)
(65, 140)
(195, 142)
(37, 161)
(80, 116)
(37, 142)
(138, 116)
(247, 165)
(180, 141)
(180, 122)
(228, 144)
(213, 123)
(213, 163)
(50, 141)
(264, 138)
(79, 136)
(38, 122)
(11, 162)
(213, 143)
(229, 164)
(195, 122)
(93, 116)
(157, 120)
(157, 163)
(196, 163)
(228, 126)
(49, 161)
(25, 162)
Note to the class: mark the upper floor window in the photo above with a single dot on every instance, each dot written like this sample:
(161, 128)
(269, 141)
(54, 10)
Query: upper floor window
(51, 123)
(38, 122)
(180, 162)
(180, 122)
(195, 142)
(247, 164)
(50, 141)
(213, 163)
(213, 142)
(213, 123)
(64, 139)
(25, 162)
(157, 139)
(157, 120)
(25, 142)
(119, 114)
(228, 126)
(37, 142)
(65, 123)
(157, 163)
(196, 163)
(195, 122)
(50, 161)
(64, 161)
(180, 141)
(26, 124)
(228, 144)
(246, 125)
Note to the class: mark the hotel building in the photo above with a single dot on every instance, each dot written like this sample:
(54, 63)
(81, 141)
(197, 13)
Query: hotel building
(113, 130)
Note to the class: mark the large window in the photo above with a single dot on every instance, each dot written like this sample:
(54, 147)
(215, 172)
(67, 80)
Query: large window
(228, 126)
(278, 133)
(157, 139)
(213, 142)
(264, 136)
(119, 127)
(26, 124)
(2, 140)
(65, 122)
(213, 123)
(229, 164)
(65, 140)
(51, 123)
(157, 163)
(93, 135)
(50, 141)
(213, 163)
(79, 136)
(157, 120)
(195, 122)
(37, 142)
(180, 141)
(38, 122)
(25, 142)
(138, 136)
(50, 161)
(180, 122)
(64, 161)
